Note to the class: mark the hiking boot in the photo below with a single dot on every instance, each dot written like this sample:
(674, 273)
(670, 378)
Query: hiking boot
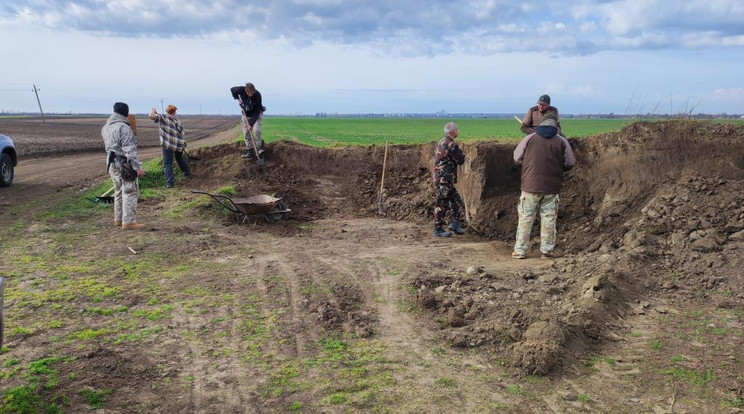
(261, 153)
(132, 226)
(117, 223)
(516, 255)
(455, 227)
(548, 255)
(439, 232)
(248, 155)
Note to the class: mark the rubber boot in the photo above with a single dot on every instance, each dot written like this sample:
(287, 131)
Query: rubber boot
(248, 155)
(439, 232)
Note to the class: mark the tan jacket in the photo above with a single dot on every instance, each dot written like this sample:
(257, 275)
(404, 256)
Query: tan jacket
(534, 117)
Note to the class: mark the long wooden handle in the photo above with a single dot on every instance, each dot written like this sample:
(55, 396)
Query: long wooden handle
(108, 192)
(384, 167)
(518, 120)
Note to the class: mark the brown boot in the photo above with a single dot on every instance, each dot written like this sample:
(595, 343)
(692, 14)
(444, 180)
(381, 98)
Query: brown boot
(117, 223)
(132, 226)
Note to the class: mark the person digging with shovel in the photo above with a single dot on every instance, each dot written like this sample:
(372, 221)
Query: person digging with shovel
(251, 106)
(447, 156)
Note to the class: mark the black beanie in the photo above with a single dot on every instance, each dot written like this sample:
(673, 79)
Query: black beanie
(121, 108)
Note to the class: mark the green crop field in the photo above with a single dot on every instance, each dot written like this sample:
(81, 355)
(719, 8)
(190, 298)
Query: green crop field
(328, 132)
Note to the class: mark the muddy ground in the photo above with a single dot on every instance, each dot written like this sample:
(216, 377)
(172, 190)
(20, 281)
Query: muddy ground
(339, 309)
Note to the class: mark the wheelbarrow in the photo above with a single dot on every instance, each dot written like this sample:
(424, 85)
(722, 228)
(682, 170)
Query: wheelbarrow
(263, 205)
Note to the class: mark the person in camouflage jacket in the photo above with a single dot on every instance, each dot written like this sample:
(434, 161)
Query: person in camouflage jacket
(447, 156)
(121, 146)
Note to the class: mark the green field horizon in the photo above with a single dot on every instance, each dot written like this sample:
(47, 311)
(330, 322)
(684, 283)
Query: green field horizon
(332, 132)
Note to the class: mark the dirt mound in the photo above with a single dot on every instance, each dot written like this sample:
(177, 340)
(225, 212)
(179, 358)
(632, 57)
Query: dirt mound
(654, 209)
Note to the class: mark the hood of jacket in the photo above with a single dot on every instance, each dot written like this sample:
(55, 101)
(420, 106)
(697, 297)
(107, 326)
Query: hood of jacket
(546, 131)
(114, 118)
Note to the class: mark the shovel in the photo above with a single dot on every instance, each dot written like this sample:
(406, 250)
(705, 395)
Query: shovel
(381, 206)
(471, 226)
(259, 161)
(106, 197)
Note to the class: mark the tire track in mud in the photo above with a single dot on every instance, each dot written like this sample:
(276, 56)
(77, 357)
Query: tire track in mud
(298, 324)
(250, 287)
(215, 387)
(229, 382)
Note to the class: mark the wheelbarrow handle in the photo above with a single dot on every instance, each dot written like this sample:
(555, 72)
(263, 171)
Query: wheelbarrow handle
(227, 203)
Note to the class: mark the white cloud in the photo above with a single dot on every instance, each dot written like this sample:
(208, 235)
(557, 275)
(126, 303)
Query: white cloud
(387, 55)
(728, 95)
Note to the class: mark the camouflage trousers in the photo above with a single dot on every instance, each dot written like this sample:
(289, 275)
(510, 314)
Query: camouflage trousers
(447, 198)
(254, 135)
(126, 194)
(529, 203)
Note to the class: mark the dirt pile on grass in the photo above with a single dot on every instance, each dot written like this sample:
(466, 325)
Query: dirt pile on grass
(654, 209)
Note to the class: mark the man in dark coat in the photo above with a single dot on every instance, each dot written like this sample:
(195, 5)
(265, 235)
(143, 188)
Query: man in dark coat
(544, 156)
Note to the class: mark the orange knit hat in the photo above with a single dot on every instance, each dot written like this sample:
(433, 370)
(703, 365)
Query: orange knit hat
(170, 109)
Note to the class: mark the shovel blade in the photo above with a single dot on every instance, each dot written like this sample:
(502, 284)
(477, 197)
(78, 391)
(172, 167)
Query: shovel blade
(105, 199)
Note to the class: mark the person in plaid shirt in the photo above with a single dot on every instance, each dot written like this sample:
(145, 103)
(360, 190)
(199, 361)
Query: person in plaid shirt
(173, 142)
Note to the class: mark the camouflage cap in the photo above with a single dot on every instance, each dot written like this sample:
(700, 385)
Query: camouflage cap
(549, 120)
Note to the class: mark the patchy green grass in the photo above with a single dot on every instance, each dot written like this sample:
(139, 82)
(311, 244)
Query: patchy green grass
(584, 398)
(36, 395)
(94, 397)
(691, 376)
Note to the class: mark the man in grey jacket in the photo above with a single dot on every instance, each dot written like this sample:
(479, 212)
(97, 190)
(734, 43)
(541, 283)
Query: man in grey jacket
(544, 156)
(121, 145)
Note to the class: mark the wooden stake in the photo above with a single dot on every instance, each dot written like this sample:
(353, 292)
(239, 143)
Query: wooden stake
(380, 207)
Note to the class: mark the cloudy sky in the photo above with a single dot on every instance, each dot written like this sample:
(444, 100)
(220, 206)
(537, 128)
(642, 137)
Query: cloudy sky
(336, 56)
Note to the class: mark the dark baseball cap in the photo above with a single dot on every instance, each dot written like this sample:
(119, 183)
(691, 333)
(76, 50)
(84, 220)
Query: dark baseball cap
(544, 99)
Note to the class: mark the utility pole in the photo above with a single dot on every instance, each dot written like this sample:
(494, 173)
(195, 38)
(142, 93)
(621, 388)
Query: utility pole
(162, 108)
(36, 91)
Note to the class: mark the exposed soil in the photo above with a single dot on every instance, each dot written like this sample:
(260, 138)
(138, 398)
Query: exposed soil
(651, 227)
(60, 136)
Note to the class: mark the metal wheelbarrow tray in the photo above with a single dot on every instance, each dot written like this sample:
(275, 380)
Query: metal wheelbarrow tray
(271, 208)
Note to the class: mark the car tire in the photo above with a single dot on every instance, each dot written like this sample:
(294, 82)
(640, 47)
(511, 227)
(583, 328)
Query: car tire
(6, 170)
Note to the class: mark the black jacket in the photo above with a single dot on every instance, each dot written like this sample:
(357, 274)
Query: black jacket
(251, 106)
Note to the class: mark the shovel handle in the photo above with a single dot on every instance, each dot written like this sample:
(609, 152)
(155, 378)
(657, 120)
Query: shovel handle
(107, 192)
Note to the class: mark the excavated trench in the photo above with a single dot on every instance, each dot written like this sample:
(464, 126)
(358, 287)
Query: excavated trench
(640, 202)
(614, 176)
